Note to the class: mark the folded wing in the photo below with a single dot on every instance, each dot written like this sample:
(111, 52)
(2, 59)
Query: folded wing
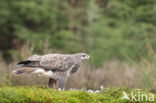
(50, 62)
(57, 62)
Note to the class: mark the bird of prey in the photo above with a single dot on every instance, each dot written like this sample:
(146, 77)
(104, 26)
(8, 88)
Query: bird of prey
(57, 67)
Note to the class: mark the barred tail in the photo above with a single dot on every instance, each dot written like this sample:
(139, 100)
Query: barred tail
(23, 70)
(18, 71)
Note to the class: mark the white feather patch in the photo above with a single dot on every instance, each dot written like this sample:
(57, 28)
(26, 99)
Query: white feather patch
(43, 72)
(14, 71)
(39, 70)
(48, 73)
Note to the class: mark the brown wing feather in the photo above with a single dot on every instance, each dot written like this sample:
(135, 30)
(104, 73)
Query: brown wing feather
(57, 62)
(35, 58)
(54, 62)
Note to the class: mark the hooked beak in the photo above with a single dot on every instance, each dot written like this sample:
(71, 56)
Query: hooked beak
(88, 57)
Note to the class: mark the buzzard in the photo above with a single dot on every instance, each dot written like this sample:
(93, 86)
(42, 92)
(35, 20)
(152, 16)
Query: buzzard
(57, 67)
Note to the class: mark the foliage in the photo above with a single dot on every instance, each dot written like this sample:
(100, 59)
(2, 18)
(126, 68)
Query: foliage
(106, 29)
(46, 95)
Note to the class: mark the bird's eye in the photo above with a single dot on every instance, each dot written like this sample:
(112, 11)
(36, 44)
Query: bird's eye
(83, 55)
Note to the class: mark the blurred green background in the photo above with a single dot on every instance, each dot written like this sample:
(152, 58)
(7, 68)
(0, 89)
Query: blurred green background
(105, 29)
(120, 36)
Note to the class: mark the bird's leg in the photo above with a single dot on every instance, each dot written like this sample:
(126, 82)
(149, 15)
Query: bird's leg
(52, 83)
(61, 84)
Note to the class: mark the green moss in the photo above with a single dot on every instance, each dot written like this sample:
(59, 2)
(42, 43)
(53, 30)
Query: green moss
(47, 95)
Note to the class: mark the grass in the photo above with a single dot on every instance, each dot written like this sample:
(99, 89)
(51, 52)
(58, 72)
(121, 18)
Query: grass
(112, 73)
(22, 94)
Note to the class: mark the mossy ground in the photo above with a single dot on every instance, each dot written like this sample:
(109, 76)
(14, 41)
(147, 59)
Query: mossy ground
(47, 95)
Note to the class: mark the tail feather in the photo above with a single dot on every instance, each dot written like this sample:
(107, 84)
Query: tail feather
(18, 66)
(22, 64)
(29, 63)
(18, 71)
(25, 67)
(25, 62)
(24, 70)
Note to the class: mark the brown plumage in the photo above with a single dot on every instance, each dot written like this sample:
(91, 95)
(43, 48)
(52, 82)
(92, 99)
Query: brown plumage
(58, 67)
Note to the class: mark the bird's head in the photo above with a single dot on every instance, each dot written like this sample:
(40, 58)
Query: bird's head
(83, 56)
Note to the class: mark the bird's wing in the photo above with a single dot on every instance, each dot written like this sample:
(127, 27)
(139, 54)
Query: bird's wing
(57, 62)
(35, 58)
